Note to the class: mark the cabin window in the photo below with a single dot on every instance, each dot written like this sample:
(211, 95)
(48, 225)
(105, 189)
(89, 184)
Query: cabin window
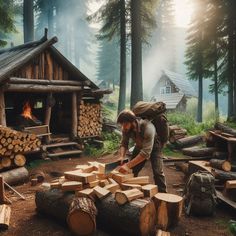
(164, 90)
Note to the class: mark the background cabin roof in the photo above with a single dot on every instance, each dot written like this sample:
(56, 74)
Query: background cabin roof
(14, 58)
(181, 83)
(170, 99)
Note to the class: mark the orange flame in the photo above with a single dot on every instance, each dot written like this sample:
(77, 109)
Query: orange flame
(27, 111)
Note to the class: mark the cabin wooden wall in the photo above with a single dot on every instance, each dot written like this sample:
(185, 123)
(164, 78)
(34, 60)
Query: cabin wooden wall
(43, 67)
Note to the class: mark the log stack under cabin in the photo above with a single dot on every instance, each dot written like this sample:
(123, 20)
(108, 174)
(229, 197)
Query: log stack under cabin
(61, 97)
(112, 201)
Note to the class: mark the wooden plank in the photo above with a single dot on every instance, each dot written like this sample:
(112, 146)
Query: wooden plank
(2, 191)
(225, 199)
(5, 214)
(230, 184)
(71, 186)
(199, 165)
(64, 153)
(142, 180)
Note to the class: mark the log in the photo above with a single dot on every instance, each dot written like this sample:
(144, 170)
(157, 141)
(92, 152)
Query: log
(62, 207)
(224, 176)
(5, 213)
(188, 141)
(225, 128)
(220, 155)
(199, 151)
(182, 166)
(2, 108)
(6, 162)
(123, 197)
(2, 190)
(169, 209)
(220, 164)
(136, 218)
(19, 160)
(174, 138)
(74, 115)
(81, 218)
(16, 176)
(71, 186)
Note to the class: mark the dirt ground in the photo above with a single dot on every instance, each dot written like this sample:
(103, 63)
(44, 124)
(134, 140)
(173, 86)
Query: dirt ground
(26, 222)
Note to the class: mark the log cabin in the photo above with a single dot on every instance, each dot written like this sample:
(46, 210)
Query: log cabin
(39, 84)
(173, 89)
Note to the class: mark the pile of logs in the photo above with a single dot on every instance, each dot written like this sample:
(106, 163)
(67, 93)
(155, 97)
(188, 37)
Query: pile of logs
(89, 120)
(114, 201)
(176, 132)
(13, 145)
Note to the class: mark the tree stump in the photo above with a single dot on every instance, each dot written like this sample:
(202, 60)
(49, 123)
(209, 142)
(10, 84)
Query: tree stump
(137, 217)
(169, 209)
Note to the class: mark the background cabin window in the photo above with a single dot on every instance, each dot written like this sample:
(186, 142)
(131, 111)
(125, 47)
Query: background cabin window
(164, 90)
(167, 83)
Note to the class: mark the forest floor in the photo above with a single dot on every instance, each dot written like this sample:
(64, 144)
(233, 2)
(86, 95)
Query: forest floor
(26, 222)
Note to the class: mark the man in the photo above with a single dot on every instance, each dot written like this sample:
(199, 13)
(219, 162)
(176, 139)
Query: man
(143, 133)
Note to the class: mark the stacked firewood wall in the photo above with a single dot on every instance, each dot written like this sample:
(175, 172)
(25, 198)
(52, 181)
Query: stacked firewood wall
(90, 119)
(176, 133)
(13, 144)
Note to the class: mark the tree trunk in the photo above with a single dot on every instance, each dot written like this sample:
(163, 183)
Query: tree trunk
(169, 209)
(122, 91)
(2, 108)
(188, 141)
(15, 176)
(28, 20)
(200, 92)
(136, 54)
(134, 218)
(216, 81)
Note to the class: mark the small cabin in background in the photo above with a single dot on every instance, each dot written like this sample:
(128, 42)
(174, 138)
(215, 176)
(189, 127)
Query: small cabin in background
(39, 86)
(174, 90)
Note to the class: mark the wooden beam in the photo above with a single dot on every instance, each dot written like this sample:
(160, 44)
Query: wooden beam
(2, 192)
(41, 88)
(48, 114)
(2, 108)
(74, 115)
(16, 80)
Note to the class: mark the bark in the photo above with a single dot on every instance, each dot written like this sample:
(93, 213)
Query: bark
(28, 20)
(188, 141)
(224, 176)
(225, 128)
(136, 54)
(199, 151)
(220, 164)
(122, 91)
(134, 218)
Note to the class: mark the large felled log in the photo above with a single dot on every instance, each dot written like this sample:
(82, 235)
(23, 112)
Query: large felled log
(225, 128)
(169, 209)
(198, 151)
(220, 164)
(188, 141)
(66, 208)
(224, 176)
(16, 176)
(220, 155)
(5, 213)
(134, 218)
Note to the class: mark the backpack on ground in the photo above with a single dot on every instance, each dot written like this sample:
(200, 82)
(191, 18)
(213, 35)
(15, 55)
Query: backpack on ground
(200, 194)
(155, 112)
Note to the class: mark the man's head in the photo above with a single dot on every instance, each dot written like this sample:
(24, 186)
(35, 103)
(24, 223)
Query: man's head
(126, 119)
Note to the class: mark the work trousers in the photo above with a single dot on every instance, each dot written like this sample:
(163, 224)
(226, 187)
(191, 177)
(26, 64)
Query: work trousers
(157, 168)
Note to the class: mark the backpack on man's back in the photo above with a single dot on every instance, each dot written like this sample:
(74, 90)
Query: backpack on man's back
(200, 195)
(155, 112)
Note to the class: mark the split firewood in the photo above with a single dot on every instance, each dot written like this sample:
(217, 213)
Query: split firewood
(169, 209)
(149, 190)
(71, 186)
(230, 184)
(76, 175)
(125, 186)
(128, 195)
(162, 233)
(120, 178)
(142, 180)
(88, 192)
(5, 213)
(101, 192)
(112, 187)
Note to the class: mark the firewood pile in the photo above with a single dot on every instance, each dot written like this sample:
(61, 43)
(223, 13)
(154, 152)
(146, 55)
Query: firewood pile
(90, 120)
(176, 132)
(112, 201)
(13, 145)
(220, 152)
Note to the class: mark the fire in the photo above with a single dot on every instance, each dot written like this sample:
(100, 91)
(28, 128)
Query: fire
(27, 111)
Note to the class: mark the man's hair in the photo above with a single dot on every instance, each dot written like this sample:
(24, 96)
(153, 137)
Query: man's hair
(126, 116)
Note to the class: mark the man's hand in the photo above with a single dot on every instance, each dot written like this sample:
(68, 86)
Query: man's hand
(124, 169)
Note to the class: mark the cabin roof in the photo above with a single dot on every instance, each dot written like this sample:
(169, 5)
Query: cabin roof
(170, 99)
(181, 83)
(14, 58)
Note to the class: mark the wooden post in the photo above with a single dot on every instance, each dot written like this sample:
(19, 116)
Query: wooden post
(2, 197)
(2, 108)
(74, 116)
(48, 114)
